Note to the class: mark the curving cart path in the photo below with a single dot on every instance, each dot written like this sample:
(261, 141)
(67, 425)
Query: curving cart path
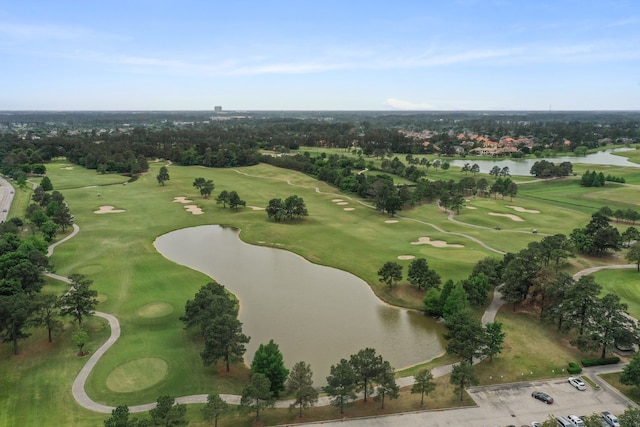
(80, 395)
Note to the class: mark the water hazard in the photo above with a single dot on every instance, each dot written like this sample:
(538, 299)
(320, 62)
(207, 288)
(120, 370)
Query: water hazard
(522, 167)
(316, 314)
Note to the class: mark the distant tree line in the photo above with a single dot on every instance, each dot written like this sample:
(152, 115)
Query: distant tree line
(236, 142)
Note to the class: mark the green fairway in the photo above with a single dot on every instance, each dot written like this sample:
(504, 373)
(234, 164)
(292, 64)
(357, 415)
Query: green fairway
(147, 293)
(625, 284)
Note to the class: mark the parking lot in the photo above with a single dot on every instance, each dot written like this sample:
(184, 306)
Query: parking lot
(514, 404)
(508, 404)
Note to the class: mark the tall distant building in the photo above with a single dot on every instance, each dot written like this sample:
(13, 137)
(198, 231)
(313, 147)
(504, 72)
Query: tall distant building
(217, 109)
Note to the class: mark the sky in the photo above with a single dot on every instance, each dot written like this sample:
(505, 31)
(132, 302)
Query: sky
(320, 55)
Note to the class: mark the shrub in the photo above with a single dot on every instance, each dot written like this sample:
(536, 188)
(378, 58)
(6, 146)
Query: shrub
(574, 368)
(596, 362)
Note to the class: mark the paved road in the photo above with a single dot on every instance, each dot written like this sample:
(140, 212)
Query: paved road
(6, 198)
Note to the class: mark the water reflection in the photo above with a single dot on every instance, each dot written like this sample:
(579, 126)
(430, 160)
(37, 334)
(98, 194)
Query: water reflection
(523, 166)
(315, 313)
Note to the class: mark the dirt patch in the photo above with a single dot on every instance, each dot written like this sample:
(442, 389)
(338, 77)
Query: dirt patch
(181, 199)
(108, 209)
(349, 209)
(521, 209)
(406, 257)
(408, 293)
(436, 243)
(67, 168)
(511, 217)
(391, 221)
(194, 209)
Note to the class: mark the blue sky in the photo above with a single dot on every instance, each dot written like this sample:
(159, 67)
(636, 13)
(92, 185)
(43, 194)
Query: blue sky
(320, 55)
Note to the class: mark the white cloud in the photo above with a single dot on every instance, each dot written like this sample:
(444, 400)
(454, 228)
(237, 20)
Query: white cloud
(400, 104)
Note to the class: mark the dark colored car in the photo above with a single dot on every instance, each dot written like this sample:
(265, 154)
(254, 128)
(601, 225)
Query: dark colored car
(543, 397)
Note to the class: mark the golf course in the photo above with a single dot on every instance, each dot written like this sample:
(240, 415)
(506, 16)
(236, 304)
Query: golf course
(120, 221)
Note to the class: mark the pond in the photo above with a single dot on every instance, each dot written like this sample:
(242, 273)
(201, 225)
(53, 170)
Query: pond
(523, 166)
(315, 314)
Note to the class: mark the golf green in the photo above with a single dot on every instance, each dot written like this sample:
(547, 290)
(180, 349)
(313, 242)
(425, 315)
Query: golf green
(137, 375)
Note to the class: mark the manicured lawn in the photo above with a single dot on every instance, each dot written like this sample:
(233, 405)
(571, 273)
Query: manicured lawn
(147, 293)
(631, 392)
(625, 284)
(532, 349)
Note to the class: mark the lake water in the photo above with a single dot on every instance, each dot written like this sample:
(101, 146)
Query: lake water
(314, 313)
(523, 166)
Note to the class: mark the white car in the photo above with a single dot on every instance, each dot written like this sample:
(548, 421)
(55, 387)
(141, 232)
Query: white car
(610, 419)
(576, 421)
(577, 383)
(536, 424)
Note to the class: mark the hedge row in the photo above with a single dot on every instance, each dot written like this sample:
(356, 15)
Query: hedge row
(596, 362)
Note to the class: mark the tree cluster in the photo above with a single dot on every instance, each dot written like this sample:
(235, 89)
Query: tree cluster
(597, 179)
(216, 315)
(291, 208)
(532, 277)
(166, 413)
(22, 263)
(598, 237)
(49, 211)
(419, 275)
(205, 186)
(547, 169)
(469, 340)
(472, 291)
(23, 304)
(230, 198)
(364, 371)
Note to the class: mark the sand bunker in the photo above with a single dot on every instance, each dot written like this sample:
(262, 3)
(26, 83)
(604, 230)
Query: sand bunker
(511, 217)
(471, 207)
(391, 221)
(181, 199)
(67, 168)
(194, 209)
(342, 203)
(256, 208)
(349, 209)
(435, 243)
(108, 209)
(337, 200)
(521, 209)
(405, 257)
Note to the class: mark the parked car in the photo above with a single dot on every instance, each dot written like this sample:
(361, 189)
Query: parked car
(575, 420)
(577, 383)
(536, 424)
(543, 397)
(610, 419)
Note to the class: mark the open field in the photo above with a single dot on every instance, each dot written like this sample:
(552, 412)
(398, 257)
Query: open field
(147, 293)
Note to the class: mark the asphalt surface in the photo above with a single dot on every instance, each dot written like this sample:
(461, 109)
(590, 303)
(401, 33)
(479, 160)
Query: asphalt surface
(509, 404)
(6, 198)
